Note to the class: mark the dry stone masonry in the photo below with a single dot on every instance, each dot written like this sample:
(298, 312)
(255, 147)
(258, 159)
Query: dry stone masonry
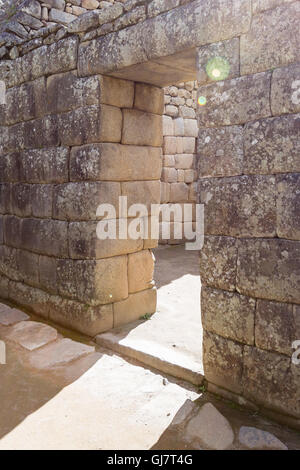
(83, 125)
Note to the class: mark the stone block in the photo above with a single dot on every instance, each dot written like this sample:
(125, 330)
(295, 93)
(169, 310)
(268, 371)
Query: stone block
(31, 335)
(168, 161)
(262, 5)
(10, 316)
(48, 274)
(39, 133)
(5, 198)
(41, 199)
(285, 90)
(239, 206)
(228, 314)
(58, 16)
(84, 243)
(140, 128)
(184, 161)
(277, 325)
(49, 165)
(288, 206)
(218, 259)
(269, 269)
(188, 144)
(9, 263)
(228, 50)
(116, 92)
(159, 6)
(189, 176)
(169, 175)
(28, 267)
(149, 98)
(235, 101)
(223, 362)
(179, 126)
(168, 125)
(140, 271)
(254, 438)
(114, 162)
(220, 151)
(179, 192)
(10, 168)
(269, 43)
(271, 380)
(79, 201)
(272, 145)
(12, 231)
(45, 236)
(135, 306)
(141, 192)
(165, 192)
(31, 298)
(190, 128)
(21, 199)
(170, 145)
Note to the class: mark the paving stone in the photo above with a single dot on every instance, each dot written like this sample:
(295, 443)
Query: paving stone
(32, 335)
(59, 353)
(257, 439)
(11, 316)
(210, 428)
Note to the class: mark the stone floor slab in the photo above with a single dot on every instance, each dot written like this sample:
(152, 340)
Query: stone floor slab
(211, 428)
(11, 316)
(32, 335)
(59, 353)
(256, 439)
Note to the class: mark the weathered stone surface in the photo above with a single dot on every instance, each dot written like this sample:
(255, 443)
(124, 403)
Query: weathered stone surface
(45, 236)
(132, 17)
(5, 198)
(31, 335)
(48, 274)
(285, 90)
(67, 91)
(61, 352)
(218, 259)
(33, 299)
(169, 175)
(272, 145)
(235, 101)
(228, 50)
(254, 438)
(159, 6)
(27, 263)
(168, 125)
(228, 314)
(114, 162)
(178, 29)
(12, 230)
(58, 16)
(263, 5)
(269, 269)
(272, 40)
(142, 192)
(135, 306)
(223, 362)
(49, 165)
(288, 206)
(116, 92)
(79, 201)
(190, 128)
(239, 206)
(84, 243)
(4, 287)
(11, 316)
(140, 128)
(179, 192)
(220, 151)
(41, 199)
(8, 263)
(211, 428)
(84, 22)
(271, 380)
(140, 271)
(95, 282)
(39, 133)
(281, 323)
(149, 98)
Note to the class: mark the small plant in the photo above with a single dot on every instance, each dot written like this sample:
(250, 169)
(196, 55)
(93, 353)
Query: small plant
(147, 316)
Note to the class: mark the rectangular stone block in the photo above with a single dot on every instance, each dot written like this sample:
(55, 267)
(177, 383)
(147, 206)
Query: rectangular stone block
(165, 192)
(228, 314)
(10, 168)
(41, 200)
(239, 206)
(140, 128)
(188, 144)
(272, 145)
(141, 192)
(218, 259)
(169, 175)
(190, 128)
(28, 267)
(115, 162)
(84, 242)
(262, 5)
(269, 269)
(45, 236)
(49, 165)
(5, 198)
(134, 307)
(228, 50)
(39, 133)
(48, 274)
(273, 40)
(271, 380)
(277, 326)
(149, 98)
(288, 206)
(235, 101)
(170, 145)
(168, 126)
(67, 91)
(12, 231)
(179, 192)
(21, 199)
(31, 298)
(179, 126)
(25, 102)
(140, 271)
(116, 92)
(9, 263)
(220, 151)
(168, 160)
(223, 362)
(285, 90)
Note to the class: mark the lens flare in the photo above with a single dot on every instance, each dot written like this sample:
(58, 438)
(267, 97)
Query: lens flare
(218, 68)
(202, 101)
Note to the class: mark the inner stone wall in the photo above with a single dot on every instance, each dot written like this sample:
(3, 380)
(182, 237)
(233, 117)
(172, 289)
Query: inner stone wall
(179, 175)
(248, 146)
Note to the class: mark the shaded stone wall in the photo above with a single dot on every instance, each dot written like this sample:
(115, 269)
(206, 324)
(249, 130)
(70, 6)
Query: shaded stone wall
(249, 164)
(179, 175)
(69, 144)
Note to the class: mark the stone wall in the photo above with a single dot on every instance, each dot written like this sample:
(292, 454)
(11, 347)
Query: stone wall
(249, 164)
(179, 175)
